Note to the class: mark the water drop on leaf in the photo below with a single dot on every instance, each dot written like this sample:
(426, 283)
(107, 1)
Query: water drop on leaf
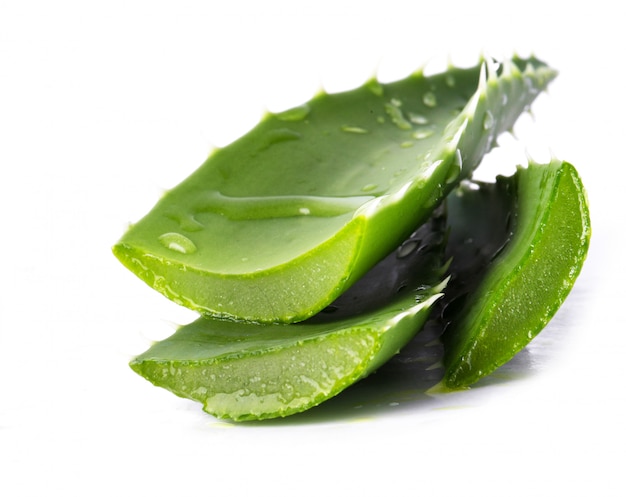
(429, 99)
(178, 243)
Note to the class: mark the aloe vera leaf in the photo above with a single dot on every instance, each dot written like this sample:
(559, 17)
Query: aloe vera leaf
(518, 246)
(247, 371)
(276, 225)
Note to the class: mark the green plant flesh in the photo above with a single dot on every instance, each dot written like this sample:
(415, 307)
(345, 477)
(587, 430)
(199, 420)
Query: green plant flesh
(298, 245)
(247, 371)
(278, 224)
(518, 246)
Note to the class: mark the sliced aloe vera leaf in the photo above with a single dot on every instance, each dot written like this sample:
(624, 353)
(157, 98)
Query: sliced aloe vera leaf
(278, 224)
(518, 246)
(247, 371)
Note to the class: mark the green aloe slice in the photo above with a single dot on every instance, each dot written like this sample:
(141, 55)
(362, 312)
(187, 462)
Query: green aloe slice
(518, 246)
(278, 224)
(247, 371)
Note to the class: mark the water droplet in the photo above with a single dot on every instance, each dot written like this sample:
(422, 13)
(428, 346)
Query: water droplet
(279, 135)
(274, 207)
(471, 185)
(375, 87)
(380, 120)
(177, 243)
(418, 118)
(354, 129)
(190, 224)
(187, 222)
(422, 133)
(294, 114)
(429, 99)
(450, 81)
(396, 102)
(407, 248)
(407, 144)
(396, 117)
(488, 120)
(369, 187)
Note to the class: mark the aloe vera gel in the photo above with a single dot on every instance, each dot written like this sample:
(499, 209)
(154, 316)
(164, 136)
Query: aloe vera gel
(317, 245)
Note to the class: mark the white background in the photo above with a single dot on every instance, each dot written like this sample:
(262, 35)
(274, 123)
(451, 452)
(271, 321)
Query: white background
(104, 105)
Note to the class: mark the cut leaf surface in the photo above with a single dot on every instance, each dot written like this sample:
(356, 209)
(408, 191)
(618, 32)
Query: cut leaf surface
(245, 371)
(518, 247)
(278, 224)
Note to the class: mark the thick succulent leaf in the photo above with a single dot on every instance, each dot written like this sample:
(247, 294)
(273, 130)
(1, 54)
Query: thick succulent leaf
(278, 224)
(246, 371)
(518, 246)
